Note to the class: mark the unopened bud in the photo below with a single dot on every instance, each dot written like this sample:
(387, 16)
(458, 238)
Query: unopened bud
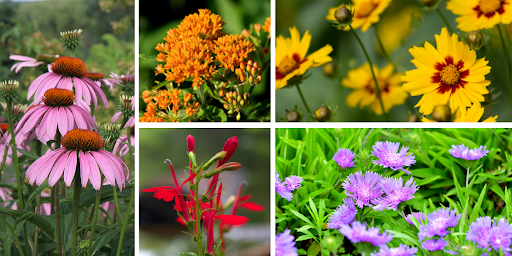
(253, 70)
(238, 116)
(475, 40)
(258, 79)
(343, 15)
(293, 116)
(214, 159)
(322, 114)
(242, 65)
(442, 113)
(251, 79)
(329, 69)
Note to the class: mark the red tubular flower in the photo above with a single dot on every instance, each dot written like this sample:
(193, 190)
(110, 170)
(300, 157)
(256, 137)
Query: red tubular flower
(191, 148)
(169, 193)
(230, 148)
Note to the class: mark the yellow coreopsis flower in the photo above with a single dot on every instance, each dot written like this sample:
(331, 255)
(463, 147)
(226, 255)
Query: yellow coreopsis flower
(472, 114)
(366, 13)
(480, 14)
(291, 57)
(361, 79)
(451, 73)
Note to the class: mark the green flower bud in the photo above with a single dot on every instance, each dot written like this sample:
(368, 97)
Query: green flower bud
(322, 114)
(293, 116)
(475, 40)
(343, 15)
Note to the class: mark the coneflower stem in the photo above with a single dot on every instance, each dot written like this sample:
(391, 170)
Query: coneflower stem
(131, 156)
(373, 73)
(36, 231)
(116, 203)
(4, 159)
(445, 21)
(95, 219)
(57, 201)
(304, 102)
(13, 234)
(128, 210)
(76, 204)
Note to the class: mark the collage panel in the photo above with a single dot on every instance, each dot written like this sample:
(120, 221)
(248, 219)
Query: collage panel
(67, 128)
(400, 60)
(226, 170)
(204, 61)
(397, 191)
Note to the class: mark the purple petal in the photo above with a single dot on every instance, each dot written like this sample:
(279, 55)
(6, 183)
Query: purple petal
(94, 174)
(69, 172)
(84, 169)
(62, 121)
(58, 169)
(104, 167)
(32, 88)
(116, 116)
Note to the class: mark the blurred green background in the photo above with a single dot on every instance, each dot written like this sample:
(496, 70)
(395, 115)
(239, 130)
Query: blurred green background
(32, 28)
(347, 54)
(159, 233)
(155, 22)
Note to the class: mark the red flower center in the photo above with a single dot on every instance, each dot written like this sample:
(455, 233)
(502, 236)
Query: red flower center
(69, 66)
(84, 140)
(287, 65)
(365, 9)
(449, 76)
(58, 97)
(94, 76)
(490, 7)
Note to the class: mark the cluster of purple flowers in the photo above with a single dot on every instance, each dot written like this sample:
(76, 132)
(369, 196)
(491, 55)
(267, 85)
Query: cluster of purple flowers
(357, 233)
(436, 224)
(285, 244)
(284, 189)
(463, 152)
(395, 193)
(344, 158)
(344, 214)
(491, 235)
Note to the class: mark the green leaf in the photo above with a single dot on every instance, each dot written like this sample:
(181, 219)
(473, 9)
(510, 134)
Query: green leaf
(212, 113)
(147, 57)
(302, 217)
(398, 234)
(457, 186)
(33, 218)
(297, 162)
(103, 239)
(26, 153)
(476, 209)
(35, 193)
(188, 254)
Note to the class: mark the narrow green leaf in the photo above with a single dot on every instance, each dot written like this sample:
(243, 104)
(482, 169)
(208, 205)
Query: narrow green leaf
(33, 218)
(302, 217)
(476, 209)
(35, 193)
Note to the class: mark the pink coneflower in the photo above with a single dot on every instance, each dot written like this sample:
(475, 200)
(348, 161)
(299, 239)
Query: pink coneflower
(59, 112)
(129, 78)
(100, 79)
(84, 147)
(27, 61)
(127, 103)
(123, 148)
(68, 73)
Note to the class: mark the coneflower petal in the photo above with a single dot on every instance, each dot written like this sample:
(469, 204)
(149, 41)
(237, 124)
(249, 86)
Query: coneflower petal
(69, 172)
(58, 169)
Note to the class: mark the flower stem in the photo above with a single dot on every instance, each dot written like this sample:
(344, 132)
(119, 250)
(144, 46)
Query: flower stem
(6, 149)
(373, 73)
(15, 154)
(304, 102)
(13, 234)
(507, 62)
(382, 48)
(76, 204)
(445, 21)
(116, 208)
(131, 156)
(95, 219)
(57, 200)
(467, 176)
(198, 219)
(128, 210)
(36, 231)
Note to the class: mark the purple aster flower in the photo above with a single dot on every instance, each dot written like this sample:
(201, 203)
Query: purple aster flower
(344, 214)
(402, 250)
(389, 157)
(395, 193)
(419, 216)
(285, 244)
(500, 236)
(438, 222)
(363, 187)
(479, 231)
(293, 182)
(454, 253)
(344, 158)
(284, 191)
(358, 233)
(463, 152)
(434, 245)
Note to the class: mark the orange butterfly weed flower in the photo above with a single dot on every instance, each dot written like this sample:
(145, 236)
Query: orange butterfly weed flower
(266, 27)
(231, 50)
(170, 105)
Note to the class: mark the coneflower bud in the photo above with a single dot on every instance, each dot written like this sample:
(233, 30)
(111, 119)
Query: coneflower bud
(9, 90)
(71, 39)
(475, 40)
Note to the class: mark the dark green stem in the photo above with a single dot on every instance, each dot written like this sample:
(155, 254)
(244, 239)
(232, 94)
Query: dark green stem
(125, 223)
(116, 203)
(373, 73)
(76, 205)
(21, 204)
(13, 234)
(36, 231)
(382, 48)
(95, 219)
(6, 149)
(304, 102)
(445, 21)
(201, 94)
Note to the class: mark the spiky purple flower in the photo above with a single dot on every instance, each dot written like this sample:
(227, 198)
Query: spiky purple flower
(293, 182)
(438, 222)
(357, 233)
(419, 216)
(344, 214)
(500, 236)
(389, 157)
(434, 245)
(395, 193)
(344, 158)
(363, 187)
(463, 152)
(284, 189)
(479, 231)
(285, 244)
(402, 250)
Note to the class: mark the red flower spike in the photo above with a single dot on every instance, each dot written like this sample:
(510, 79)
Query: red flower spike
(191, 147)
(230, 148)
(212, 186)
(219, 193)
(232, 219)
(252, 206)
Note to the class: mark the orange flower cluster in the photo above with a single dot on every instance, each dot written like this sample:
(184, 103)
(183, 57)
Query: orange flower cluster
(190, 50)
(266, 27)
(169, 105)
(231, 50)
